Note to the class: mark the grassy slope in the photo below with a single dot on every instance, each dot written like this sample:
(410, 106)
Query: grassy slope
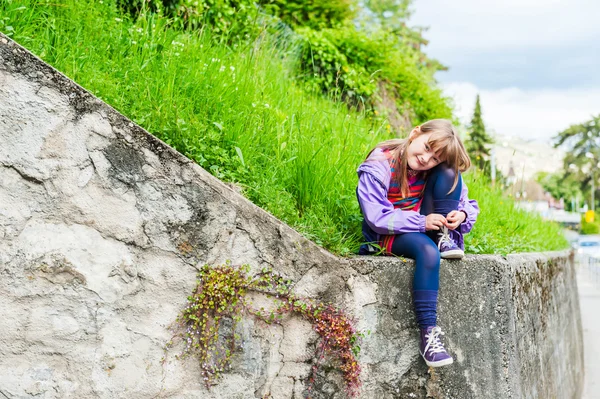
(239, 113)
(502, 228)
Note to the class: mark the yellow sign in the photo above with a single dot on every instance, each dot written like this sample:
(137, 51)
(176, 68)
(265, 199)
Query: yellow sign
(589, 216)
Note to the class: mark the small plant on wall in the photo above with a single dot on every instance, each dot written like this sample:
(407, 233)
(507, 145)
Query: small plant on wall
(207, 325)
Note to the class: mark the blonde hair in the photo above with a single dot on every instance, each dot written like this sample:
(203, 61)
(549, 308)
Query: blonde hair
(443, 141)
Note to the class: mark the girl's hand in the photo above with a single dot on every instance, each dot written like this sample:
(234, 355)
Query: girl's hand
(434, 221)
(455, 218)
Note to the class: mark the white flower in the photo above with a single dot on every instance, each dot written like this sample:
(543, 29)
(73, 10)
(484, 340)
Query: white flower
(222, 68)
(118, 19)
(232, 68)
(267, 105)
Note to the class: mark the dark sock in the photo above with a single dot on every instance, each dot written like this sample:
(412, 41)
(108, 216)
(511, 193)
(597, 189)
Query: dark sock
(425, 302)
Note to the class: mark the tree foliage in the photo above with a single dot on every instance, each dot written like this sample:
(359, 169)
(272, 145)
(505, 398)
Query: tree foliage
(375, 60)
(391, 16)
(560, 185)
(353, 65)
(479, 141)
(582, 159)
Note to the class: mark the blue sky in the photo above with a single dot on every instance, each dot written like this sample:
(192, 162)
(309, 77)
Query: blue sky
(536, 64)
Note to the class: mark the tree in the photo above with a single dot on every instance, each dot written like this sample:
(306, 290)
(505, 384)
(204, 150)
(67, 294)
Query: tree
(582, 158)
(392, 16)
(561, 185)
(478, 141)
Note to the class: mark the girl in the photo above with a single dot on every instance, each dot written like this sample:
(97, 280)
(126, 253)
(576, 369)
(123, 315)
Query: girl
(415, 204)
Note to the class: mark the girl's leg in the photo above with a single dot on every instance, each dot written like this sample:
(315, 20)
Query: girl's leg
(437, 198)
(426, 280)
(425, 291)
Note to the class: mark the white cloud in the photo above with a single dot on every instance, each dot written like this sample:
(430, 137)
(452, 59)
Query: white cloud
(510, 24)
(528, 114)
(533, 62)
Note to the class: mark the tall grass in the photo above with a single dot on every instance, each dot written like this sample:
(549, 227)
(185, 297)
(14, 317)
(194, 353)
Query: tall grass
(235, 111)
(238, 112)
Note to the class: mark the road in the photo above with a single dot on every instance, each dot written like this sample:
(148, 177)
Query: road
(588, 282)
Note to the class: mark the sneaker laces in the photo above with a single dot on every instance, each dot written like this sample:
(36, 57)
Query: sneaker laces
(434, 345)
(444, 235)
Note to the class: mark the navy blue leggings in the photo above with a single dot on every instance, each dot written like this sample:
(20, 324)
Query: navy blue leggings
(421, 247)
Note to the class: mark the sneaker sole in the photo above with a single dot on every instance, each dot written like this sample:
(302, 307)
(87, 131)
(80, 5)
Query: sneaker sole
(454, 254)
(439, 363)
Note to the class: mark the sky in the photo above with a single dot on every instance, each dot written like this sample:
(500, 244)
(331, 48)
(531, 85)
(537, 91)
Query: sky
(535, 63)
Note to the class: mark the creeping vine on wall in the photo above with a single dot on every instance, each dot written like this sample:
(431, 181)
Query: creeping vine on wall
(220, 299)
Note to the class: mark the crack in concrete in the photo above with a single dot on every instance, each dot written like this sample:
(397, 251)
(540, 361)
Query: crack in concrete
(238, 226)
(24, 175)
(92, 291)
(314, 265)
(140, 288)
(152, 245)
(267, 385)
(5, 395)
(96, 328)
(93, 165)
(280, 352)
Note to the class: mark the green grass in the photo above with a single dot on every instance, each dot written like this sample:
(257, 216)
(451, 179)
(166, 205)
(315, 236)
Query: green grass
(502, 228)
(240, 113)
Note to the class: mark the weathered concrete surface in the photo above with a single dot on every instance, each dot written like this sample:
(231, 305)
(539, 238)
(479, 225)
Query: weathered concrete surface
(512, 324)
(103, 228)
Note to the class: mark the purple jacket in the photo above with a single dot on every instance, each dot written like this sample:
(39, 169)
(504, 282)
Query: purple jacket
(373, 183)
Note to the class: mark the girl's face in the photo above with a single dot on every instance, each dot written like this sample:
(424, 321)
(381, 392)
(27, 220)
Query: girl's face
(419, 153)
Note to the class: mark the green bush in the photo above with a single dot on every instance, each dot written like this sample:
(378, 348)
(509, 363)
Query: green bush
(590, 228)
(349, 64)
(244, 19)
(327, 69)
(315, 14)
(228, 19)
(134, 7)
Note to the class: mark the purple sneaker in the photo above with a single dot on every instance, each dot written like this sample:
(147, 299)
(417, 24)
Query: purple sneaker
(447, 246)
(431, 348)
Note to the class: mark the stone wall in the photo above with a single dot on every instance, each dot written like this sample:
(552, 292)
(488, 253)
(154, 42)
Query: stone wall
(103, 228)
